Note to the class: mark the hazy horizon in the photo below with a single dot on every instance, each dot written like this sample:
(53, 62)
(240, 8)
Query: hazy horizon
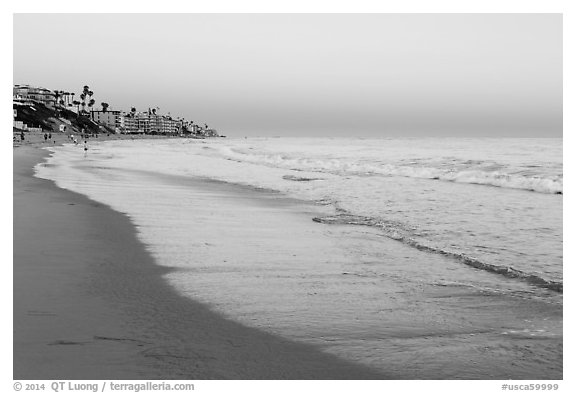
(310, 74)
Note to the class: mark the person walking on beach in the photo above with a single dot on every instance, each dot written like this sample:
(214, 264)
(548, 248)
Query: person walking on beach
(50, 136)
(22, 136)
(45, 137)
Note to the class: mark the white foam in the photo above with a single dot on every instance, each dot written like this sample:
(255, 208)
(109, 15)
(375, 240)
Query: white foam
(507, 175)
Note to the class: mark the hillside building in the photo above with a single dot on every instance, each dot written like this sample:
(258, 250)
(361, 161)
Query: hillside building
(108, 118)
(27, 93)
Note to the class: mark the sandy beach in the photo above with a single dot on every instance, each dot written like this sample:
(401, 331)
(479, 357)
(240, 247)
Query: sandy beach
(90, 302)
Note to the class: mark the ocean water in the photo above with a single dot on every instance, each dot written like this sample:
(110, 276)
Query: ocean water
(426, 257)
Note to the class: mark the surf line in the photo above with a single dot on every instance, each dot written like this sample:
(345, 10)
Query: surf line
(394, 234)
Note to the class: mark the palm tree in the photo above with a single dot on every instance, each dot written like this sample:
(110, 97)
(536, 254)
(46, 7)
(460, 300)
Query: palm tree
(91, 102)
(62, 96)
(56, 95)
(83, 98)
(85, 93)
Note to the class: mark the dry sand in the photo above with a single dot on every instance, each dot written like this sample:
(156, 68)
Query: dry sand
(90, 303)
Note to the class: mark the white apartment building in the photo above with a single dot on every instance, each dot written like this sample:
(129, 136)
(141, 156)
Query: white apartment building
(109, 118)
(28, 93)
(148, 123)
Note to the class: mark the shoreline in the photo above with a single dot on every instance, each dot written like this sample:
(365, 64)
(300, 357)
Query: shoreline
(90, 303)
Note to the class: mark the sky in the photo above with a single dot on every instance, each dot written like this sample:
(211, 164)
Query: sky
(309, 74)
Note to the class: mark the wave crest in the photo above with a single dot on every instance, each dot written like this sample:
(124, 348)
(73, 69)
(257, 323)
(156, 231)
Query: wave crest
(451, 170)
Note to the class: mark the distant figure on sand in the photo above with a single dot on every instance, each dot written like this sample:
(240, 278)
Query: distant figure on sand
(45, 136)
(85, 145)
(22, 136)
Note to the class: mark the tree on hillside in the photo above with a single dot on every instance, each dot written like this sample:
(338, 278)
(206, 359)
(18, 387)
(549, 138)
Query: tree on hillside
(85, 94)
(91, 102)
(56, 95)
(77, 103)
(83, 100)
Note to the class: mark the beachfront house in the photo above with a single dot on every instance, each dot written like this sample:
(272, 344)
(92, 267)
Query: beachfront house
(109, 118)
(129, 124)
(27, 93)
(147, 123)
(158, 124)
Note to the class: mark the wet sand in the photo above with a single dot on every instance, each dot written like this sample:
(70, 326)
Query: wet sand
(90, 303)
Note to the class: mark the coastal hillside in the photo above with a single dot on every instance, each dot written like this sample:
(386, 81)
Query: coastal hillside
(40, 117)
(38, 109)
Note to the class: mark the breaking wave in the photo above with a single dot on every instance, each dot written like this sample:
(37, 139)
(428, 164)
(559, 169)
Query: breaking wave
(530, 178)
